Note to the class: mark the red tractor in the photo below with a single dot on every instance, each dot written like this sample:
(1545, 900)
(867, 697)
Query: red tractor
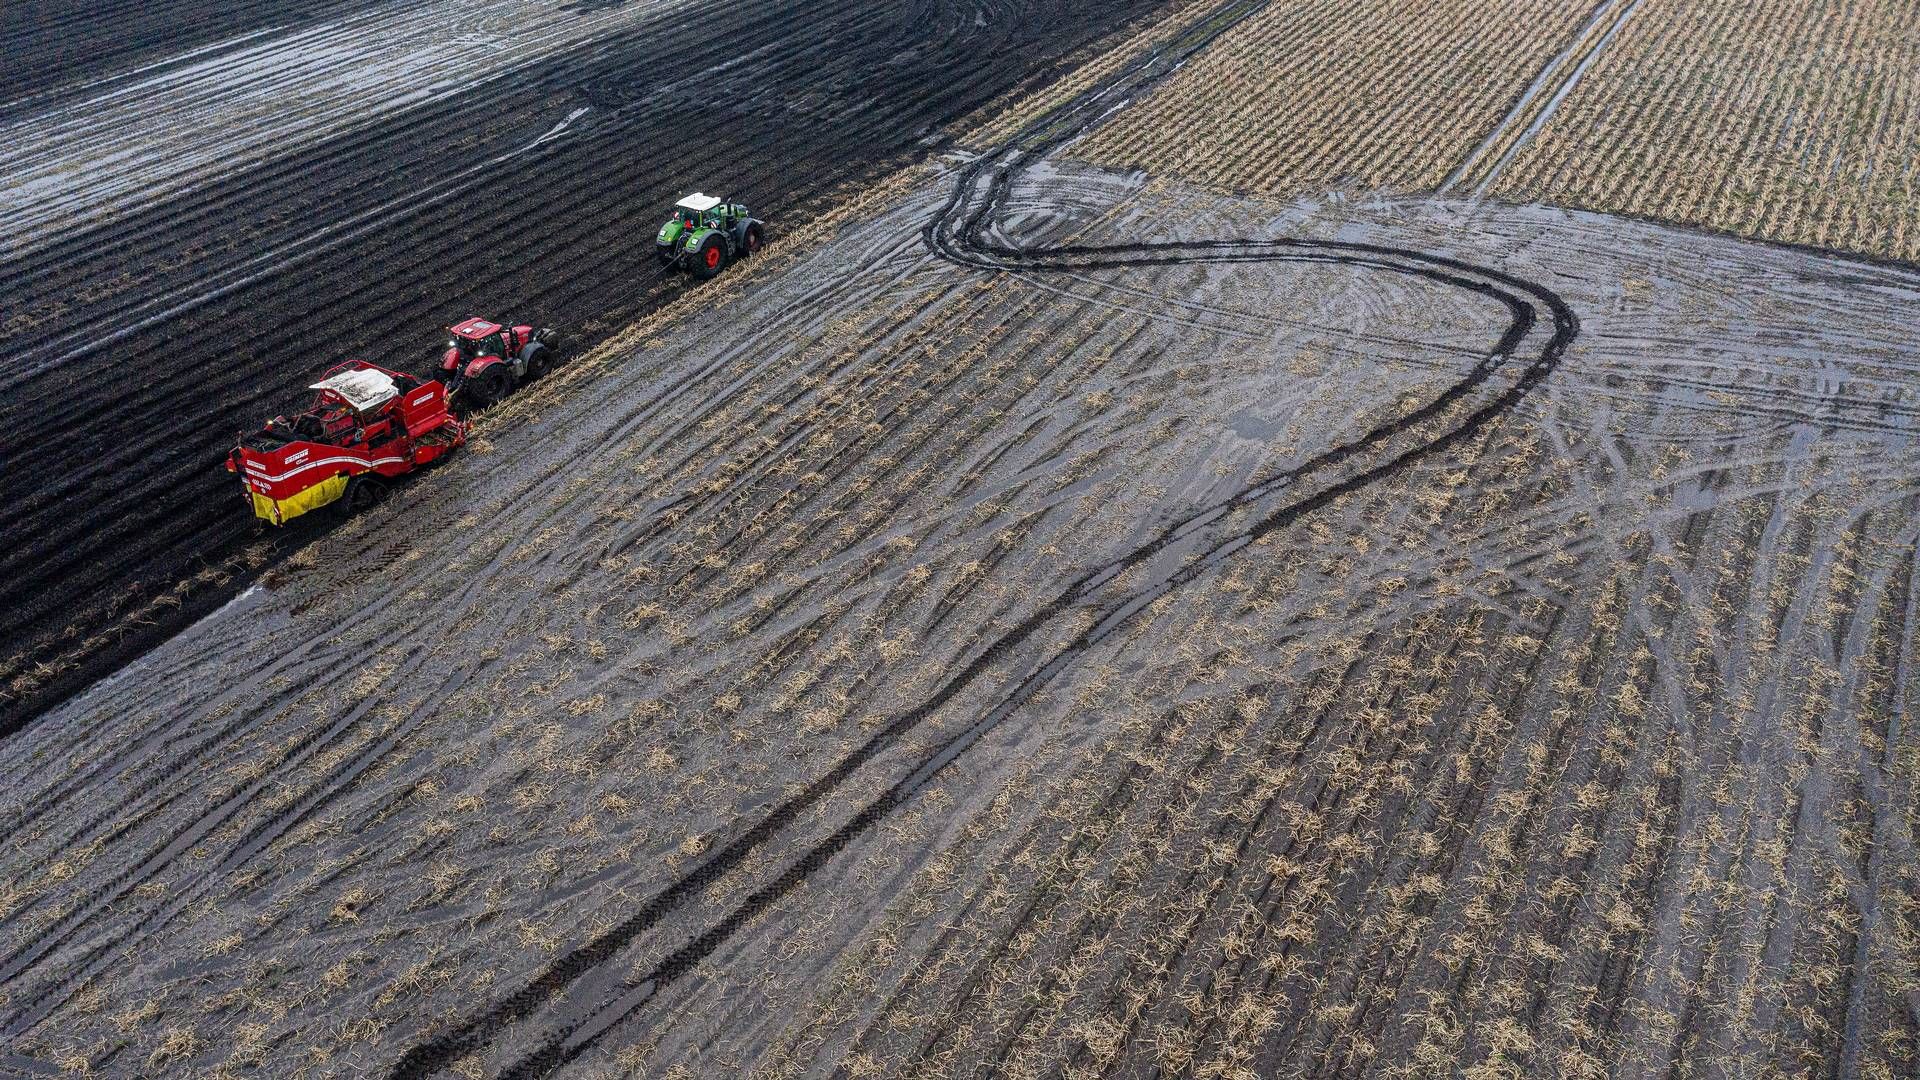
(485, 361)
(367, 426)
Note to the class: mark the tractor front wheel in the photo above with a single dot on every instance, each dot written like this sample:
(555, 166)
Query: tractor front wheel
(754, 239)
(711, 257)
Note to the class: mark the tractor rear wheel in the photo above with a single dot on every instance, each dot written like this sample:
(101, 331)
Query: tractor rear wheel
(711, 257)
(537, 360)
(491, 386)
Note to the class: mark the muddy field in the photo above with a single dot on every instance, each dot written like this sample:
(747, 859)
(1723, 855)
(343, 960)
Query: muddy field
(201, 208)
(1404, 636)
(1072, 623)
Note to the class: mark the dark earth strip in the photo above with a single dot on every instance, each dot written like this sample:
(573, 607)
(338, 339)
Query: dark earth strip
(121, 528)
(57, 50)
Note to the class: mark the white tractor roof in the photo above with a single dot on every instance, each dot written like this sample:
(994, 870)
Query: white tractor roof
(363, 389)
(697, 202)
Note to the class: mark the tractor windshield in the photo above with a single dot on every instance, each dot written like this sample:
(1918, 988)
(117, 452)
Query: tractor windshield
(491, 345)
(688, 219)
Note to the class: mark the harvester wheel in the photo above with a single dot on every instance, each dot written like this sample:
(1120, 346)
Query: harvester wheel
(754, 239)
(363, 493)
(491, 386)
(711, 256)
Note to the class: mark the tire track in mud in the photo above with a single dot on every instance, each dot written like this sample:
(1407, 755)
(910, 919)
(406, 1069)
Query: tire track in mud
(1581, 52)
(1179, 963)
(1225, 832)
(958, 233)
(310, 667)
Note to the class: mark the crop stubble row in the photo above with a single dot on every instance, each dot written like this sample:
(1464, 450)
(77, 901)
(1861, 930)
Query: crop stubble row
(1789, 121)
(1303, 98)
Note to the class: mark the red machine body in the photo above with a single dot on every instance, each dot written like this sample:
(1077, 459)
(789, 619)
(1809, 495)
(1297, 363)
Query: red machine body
(367, 425)
(485, 361)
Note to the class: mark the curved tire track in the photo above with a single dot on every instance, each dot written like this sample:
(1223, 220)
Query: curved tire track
(959, 233)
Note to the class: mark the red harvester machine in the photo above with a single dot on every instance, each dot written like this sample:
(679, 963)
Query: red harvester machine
(367, 426)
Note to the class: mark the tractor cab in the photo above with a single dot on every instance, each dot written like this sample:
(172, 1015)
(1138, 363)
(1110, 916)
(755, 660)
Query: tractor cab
(471, 339)
(468, 343)
(696, 212)
(701, 211)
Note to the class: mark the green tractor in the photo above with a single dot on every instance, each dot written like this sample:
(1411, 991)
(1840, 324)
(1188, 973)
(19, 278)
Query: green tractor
(705, 234)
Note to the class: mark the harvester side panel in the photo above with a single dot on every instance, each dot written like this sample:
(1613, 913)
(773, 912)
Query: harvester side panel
(287, 479)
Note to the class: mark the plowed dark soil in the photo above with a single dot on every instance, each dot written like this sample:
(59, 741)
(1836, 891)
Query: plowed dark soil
(170, 274)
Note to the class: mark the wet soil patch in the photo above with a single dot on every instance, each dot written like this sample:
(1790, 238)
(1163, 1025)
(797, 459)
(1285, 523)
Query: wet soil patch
(142, 344)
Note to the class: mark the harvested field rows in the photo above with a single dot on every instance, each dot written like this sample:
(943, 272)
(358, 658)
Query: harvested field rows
(136, 144)
(1072, 623)
(368, 204)
(1543, 96)
(1793, 121)
(868, 381)
(1301, 98)
(67, 50)
(1439, 771)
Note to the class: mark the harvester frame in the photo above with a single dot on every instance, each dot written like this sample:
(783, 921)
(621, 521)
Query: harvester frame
(367, 426)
